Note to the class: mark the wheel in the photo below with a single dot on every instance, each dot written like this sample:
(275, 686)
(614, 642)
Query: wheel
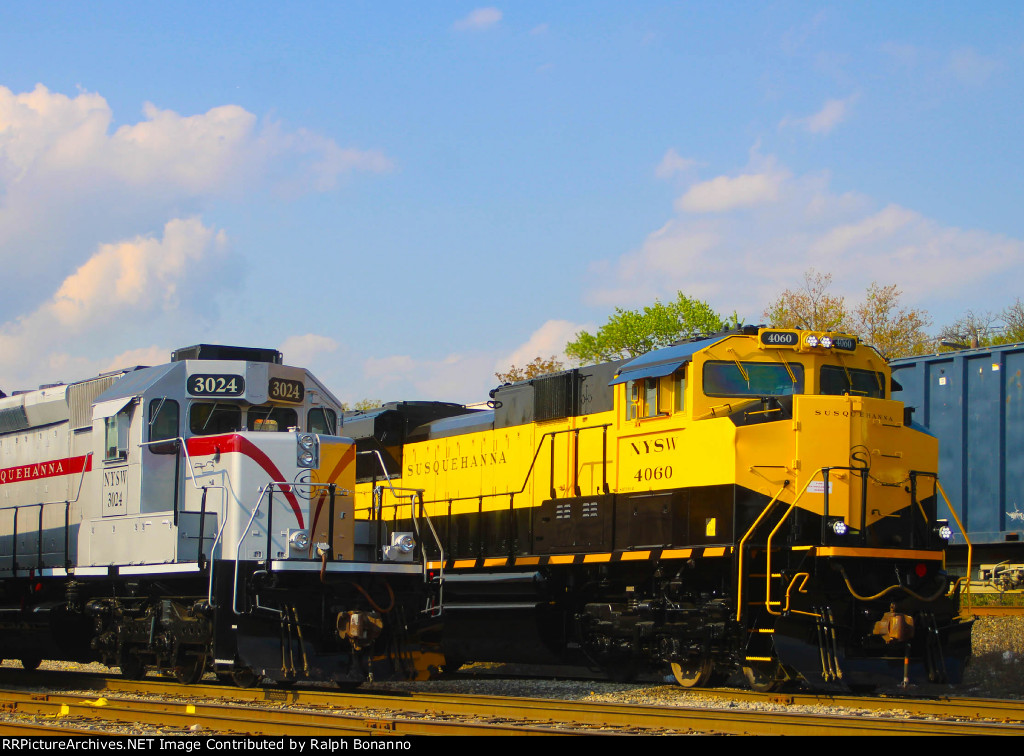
(244, 677)
(132, 667)
(764, 678)
(693, 673)
(31, 662)
(192, 670)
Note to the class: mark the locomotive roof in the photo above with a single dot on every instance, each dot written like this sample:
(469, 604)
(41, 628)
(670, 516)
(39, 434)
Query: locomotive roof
(136, 382)
(660, 362)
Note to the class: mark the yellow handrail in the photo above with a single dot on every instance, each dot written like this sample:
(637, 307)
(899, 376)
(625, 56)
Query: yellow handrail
(966, 540)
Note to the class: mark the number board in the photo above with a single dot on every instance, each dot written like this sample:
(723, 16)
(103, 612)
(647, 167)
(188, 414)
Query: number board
(216, 385)
(285, 390)
(846, 343)
(780, 338)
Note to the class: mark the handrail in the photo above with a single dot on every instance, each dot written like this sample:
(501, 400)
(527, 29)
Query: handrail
(533, 463)
(413, 495)
(67, 523)
(970, 548)
(742, 543)
(823, 471)
(266, 492)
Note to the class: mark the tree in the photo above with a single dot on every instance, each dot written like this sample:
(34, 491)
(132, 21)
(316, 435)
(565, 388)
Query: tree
(539, 366)
(363, 404)
(629, 333)
(1013, 318)
(809, 308)
(972, 329)
(880, 320)
(893, 330)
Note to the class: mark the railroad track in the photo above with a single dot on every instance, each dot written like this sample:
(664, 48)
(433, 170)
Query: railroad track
(993, 611)
(170, 708)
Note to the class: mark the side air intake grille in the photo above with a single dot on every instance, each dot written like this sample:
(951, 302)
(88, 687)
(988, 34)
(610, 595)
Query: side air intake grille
(81, 396)
(13, 419)
(554, 396)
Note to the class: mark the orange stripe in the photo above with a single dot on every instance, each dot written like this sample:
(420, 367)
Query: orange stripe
(677, 554)
(628, 556)
(716, 551)
(495, 562)
(567, 559)
(848, 551)
(597, 558)
(462, 563)
(527, 560)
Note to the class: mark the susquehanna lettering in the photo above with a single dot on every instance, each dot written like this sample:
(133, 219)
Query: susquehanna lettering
(856, 413)
(465, 462)
(32, 472)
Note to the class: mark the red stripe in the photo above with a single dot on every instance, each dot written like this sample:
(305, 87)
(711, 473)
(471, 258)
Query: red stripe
(201, 446)
(52, 469)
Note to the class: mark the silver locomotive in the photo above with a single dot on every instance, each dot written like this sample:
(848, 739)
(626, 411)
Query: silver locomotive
(198, 516)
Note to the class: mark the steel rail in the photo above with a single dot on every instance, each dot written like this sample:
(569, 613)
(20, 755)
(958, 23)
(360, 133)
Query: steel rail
(1000, 717)
(226, 719)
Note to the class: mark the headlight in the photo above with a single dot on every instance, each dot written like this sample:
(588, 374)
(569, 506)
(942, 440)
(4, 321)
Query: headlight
(942, 530)
(307, 451)
(812, 341)
(299, 539)
(838, 526)
(826, 342)
(405, 543)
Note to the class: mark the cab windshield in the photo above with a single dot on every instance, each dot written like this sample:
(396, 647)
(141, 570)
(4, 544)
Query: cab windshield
(752, 379)
(837, 381)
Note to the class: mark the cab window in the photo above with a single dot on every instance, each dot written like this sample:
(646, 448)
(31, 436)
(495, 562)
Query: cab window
(163, 424)
(206, 419)
(679, 390)
(752, 379)
(115, 436)
(837, 380)
(269, 418)
(642, 398)
(322, 420)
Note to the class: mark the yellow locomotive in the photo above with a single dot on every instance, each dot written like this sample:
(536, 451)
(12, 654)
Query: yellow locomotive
(754, 501)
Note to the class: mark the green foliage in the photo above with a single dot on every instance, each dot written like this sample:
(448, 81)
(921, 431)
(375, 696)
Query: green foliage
(363, 404)
(629, 333)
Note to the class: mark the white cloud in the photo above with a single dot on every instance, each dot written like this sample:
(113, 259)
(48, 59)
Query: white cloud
(126, 292)
(479, 20)
(307, 349)
(137, 276)
(764, 234)
(548, 340)
(726, 193)
(832, 113)
(61, 158)
(672, 163)
(970, 67)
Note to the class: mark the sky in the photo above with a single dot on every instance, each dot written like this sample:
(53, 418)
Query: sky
(407, 197)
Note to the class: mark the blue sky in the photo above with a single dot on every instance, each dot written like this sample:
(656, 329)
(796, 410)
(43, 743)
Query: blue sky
(408, 196)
